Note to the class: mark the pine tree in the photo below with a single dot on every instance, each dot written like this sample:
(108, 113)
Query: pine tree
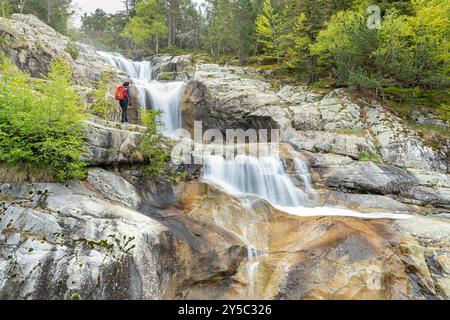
(268, 30)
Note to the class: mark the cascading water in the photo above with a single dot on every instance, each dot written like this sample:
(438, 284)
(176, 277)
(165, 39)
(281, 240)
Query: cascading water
(165, 97)
(151, 94)
(267, 178)
(142, 70)
(264, 176)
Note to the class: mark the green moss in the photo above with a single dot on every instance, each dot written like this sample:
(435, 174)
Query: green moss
(165, 76)
(444, 111)
(370, 156)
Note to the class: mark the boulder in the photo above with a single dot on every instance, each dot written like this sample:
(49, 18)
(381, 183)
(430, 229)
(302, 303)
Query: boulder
(32, 45)
(109, 142)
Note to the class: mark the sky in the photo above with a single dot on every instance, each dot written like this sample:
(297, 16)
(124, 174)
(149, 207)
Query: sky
(89, 6)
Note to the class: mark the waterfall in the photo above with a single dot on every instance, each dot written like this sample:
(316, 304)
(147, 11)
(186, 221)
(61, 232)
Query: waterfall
(151, 94)
(165, 97)
(267, 178)
(264, 176)
(136, 70)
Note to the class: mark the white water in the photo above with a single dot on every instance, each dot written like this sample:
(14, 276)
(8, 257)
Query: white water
(151, 94)
(263, 176)
(266, 178)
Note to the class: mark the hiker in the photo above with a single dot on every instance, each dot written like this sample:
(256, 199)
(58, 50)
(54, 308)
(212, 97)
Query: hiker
(124, 97)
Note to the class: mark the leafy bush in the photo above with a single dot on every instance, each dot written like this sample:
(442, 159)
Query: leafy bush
(41, 122)
(362, 80)
(72, 49)
(151, 146)
(444, 111)
(320, 84)
(165, 76)
(101, 105)
(408, 50)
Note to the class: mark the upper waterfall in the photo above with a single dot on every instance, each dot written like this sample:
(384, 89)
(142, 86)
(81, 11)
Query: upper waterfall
(151, 94)
(142, 70)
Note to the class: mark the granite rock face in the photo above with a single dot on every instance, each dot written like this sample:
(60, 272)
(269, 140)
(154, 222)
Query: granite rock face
(233, 97)
(100, 239)
(32, 45)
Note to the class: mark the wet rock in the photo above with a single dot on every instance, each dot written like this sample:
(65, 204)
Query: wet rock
(365, 202)
(329, 142)
(88, 240)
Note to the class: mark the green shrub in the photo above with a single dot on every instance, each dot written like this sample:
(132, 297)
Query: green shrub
(444, 112)
(370, 156)
(72, 49)
(362, 80)
(101, 105)
(75, 297)
(320, 84)
(165, 76)
(41, 123)
(151, 144)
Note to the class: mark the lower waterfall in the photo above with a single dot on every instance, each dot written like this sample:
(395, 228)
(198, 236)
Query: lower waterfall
(267, 178)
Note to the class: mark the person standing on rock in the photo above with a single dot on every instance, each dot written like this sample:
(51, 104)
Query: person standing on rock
(124, 97)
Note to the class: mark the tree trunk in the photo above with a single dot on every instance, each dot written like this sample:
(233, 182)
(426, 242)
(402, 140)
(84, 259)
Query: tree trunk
(312, 69)
(49, 11)
(157, 45)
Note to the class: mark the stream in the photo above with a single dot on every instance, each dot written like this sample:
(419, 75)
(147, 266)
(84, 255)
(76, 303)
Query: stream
(265, 177)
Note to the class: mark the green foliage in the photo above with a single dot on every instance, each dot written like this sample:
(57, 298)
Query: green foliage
(151, 146)
(104, 30)
(370, 156)
(444, 111)
(42, 122)
(410, 50)
(320, 84)
(407, 100)
(229, 28)
(165, 76)
(268, 29)
(361, 79)
(5, 8)
(148, 25)
(56, 13)
(102, 104)
(72, 49)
